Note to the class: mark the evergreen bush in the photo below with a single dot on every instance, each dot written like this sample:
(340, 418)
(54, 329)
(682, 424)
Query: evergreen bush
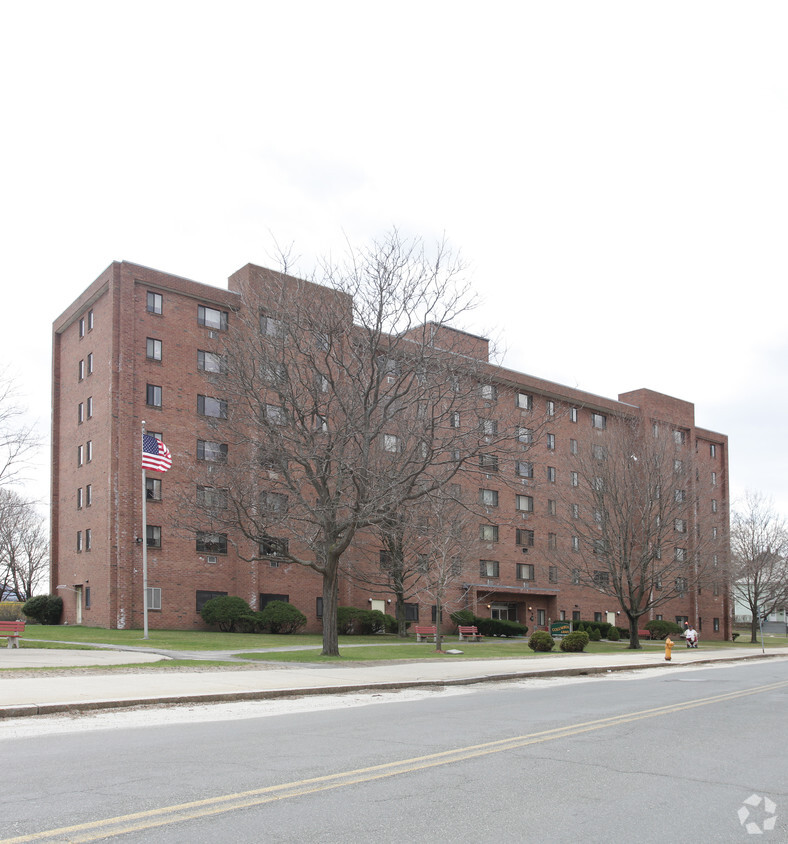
(613, 634)
(541, 641)
(660, 629)
(45, 609)
(226, 612)
(282, 617)
(595, 635)
(574, 642)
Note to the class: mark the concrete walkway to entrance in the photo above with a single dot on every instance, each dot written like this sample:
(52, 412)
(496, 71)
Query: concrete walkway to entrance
(79, 690)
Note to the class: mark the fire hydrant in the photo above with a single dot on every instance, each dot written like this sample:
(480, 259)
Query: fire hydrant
(668, 648)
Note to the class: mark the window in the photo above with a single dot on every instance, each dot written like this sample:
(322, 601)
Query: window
(524, 401)
(267, 597)
(319, 607)
(155, 303)
(90, 363)
(274, 502)
(488, 462)
(152, 489)
(80, 413)
(525, 435)
(90, 320)
(681, 525)
(714, 479)
(212, 498)
(601, 547)
(81, 370)
(525, 571)
(411, 612)
(212, 318)
(203, 596)
(602, 579)
(79, 541)
(488, 533)
(679, 437)
(454, 419)
(714, 532)
(550, 407)
(552, 541)
(575, 543)
(552, 574)
(576, 582)
(573, 446)
(680, 555)
(80, 455)
(599, 452)
(212, 452)
(82, 328)
(271, 546)
(551, 474)
(488, 497)
(681, 586)
(489, 568)
(525, 538)
(79, 498)
(680, 495)
(210, 361)
(270, 326)
(154, 598)
(488, 426)
(712, 452)
(153, 536)
(153, 348)
(153, 395)
(573, 478)
(391, 443)
(575, 510)
(524, 469)
(211, 543)
(551, 442)
(275, 414)
(713, 505)
(598, 420)
(88, 539)
(489, 392)
(88, 495)
(716, 625)
(89, 451)
(573, 414)
(87, 597)
(524, 503)
(209, 406)
(551, 506)
(89, 406)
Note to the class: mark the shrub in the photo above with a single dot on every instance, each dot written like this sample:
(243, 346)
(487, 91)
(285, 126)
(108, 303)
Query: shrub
(225, 611)
(11, 611)
(45, 609)
(541, 641)
(574, 642)
(613, 635)
(595, 635)
(346, 619)
(463, 617)
(369, 621)
(499, 627)
(662, 629)
(281, 617)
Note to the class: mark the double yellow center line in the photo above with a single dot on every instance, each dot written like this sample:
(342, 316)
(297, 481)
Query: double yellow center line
(138, 821)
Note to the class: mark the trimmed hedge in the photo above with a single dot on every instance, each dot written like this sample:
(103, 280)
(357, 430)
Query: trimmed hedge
(353, 621)
(541, 641)
(11, 611)
(45, 609)
(227, 612)
(489, 626)
(574, 642)
(662, 629)
(281, 617)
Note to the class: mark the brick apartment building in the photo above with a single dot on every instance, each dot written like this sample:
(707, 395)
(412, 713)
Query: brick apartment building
(135, 345)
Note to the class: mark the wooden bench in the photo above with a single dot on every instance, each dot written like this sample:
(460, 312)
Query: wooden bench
(644, 634)
(469, 632)
(12, 629)
(423, 631)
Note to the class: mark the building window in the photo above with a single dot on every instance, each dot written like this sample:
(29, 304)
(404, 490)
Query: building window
(681, 586)
(267, 597)
(576, 582)
(488, 427)
(575, 543)
(680, 555)
(79, 541)
(88, 495)
(154, 598)
(89, 450)
(274, 502)
(489, 568)
(551, 507)
(525, 571)
(551, 474)
(79, 498)
(271, 546)
(551, 442)
(81, 370)
(524, 503)
(681, 525)
(270, 326)
(599, 452)
(275, 414)
(391, 443)
(550, 407)
(575, 510)
(680, 495)
(714, 479)
(319, 607)
(153, 348)
(212, 318)
(679, 437)
(573, 446)
(153, 395)
(212, 498)
(203, 596)
(82, 328)
(713, 453)
(90, 363)
(80, 413)
(80, 455)
(152, 489)
(525, 538)
(211, 451)
(524, 469)
(552, 541)
(454, 419)
(153, 536)
(598, 420)
(525, 401)
(488, 497)
(209, 406)
(211, 543)
(155, 303)
(525, 435)
(488, 462)
(713, 505)
(88, 539)
(489, 392)
(89, 406)
(210, 362)
(552, 574)
(87, 597)
(90, 320)
(716, 625)
(488, 533)
(573, 414)
(601, 579)
(574, 479)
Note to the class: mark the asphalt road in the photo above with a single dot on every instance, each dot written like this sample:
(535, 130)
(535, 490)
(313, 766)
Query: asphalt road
(645, 756)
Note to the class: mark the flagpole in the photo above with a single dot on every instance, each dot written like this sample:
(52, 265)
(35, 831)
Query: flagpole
(144, 546)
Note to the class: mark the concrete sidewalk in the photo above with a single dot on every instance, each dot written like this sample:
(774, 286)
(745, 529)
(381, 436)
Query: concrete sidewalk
(21, 695)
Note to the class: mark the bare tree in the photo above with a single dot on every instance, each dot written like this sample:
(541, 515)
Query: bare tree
(18, 440)
(759, 558)
(346, 400)
(24, 547)
(631, 521)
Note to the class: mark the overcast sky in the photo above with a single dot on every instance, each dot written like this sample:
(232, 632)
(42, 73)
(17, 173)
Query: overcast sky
(614, 173)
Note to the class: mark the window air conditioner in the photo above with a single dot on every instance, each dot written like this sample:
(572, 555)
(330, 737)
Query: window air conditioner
(211, 558)
(213, 335)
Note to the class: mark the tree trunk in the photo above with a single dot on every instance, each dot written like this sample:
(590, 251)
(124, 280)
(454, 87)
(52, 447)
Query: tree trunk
(634, 637)
(438, 624)
(330, 605)
(402, 625)
(754, 629)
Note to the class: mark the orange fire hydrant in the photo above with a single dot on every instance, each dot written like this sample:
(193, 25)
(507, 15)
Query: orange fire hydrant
(668, 648)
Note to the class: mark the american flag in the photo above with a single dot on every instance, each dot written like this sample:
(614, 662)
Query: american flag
(155, 455)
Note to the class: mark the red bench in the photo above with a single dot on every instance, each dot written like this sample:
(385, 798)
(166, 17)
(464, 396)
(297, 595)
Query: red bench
(469, 632)
(12, 629)
(420, 632)
(644, 634)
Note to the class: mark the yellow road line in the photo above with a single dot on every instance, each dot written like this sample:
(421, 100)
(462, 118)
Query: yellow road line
(139, 821)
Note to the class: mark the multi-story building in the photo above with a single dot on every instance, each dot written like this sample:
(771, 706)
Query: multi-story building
(139, 344)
